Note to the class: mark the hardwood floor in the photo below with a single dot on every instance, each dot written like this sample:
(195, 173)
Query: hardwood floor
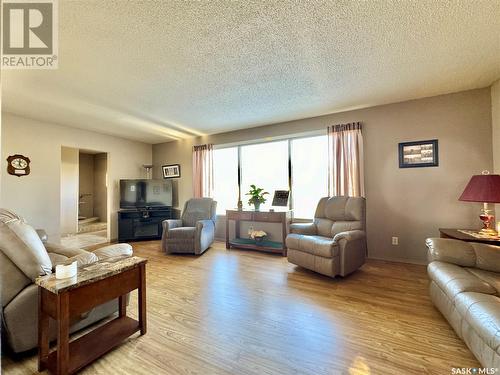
(238, 312)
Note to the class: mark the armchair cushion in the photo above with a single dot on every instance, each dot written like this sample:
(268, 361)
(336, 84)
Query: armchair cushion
(198, 209)
(304, 228)
(316, 245)
(182, 233)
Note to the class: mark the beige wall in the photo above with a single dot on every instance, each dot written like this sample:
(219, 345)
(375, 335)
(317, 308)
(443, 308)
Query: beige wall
(409, 203)
(495, 120)
(86, 185)
(37, 196)
(100, 186)
(69, 190)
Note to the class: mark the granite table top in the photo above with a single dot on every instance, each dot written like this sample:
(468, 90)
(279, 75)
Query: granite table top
(89, 273)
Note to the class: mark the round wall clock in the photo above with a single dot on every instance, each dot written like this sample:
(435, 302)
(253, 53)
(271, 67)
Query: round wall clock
(18, 165)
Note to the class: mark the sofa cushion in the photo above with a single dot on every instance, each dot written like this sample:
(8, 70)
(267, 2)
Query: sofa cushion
(487, 256)
(451, 251)
(482, 312)
(22, 245)
(12, 279)
(491, 278)
(453, 279)
(316, 245)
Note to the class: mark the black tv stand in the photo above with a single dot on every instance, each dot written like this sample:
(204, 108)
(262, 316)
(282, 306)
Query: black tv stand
(142, 223)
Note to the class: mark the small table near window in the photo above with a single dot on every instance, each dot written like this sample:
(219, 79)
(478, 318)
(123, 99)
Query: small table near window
(460, 235)
(259, 216)
(63, 299)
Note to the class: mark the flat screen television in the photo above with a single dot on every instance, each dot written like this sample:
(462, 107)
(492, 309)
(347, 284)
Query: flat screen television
(145, 193)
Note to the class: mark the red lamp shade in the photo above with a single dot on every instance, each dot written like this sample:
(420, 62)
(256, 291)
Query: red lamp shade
(482, 188)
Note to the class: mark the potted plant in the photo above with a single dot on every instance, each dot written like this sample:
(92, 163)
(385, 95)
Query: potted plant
(256, 196)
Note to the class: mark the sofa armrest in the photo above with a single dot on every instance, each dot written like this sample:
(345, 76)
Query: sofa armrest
(171, 224)
(304, 228)
(115, 250)
(449, 250)
(67, 252)
(349, 235)
(205, 233)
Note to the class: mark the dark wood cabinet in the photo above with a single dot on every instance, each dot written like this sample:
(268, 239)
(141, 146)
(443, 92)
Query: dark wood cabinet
(142, 224)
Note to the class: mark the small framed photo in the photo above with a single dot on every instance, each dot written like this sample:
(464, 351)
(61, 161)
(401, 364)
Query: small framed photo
(280, 198)
(419, 154)
(171, 171)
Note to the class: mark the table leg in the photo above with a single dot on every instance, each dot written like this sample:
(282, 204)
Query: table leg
(284, 248)
(237, 229)
(122, 305)
(62, 333)
(43, 333)
(142, 299)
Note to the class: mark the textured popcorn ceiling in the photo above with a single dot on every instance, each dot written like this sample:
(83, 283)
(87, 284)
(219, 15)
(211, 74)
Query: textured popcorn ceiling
(162, 70)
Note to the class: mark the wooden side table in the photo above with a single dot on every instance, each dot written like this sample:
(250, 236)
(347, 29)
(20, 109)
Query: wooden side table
(259, 216)
(457, 235)
(94, 285)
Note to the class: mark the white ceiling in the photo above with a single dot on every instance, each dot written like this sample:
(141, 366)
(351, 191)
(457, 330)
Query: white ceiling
(163, 70)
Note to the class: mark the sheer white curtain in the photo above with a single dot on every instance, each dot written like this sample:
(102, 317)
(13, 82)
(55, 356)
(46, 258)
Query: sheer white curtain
(345, 161)
(203, 171)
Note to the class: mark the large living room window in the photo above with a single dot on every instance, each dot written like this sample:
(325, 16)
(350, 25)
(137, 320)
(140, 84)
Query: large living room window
(267, 165)
(225, 178)
(309, 174)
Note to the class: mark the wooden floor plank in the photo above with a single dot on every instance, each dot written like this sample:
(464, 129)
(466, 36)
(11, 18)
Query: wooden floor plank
(241, 312)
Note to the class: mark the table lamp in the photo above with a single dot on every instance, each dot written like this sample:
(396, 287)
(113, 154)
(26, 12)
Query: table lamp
(484, 188)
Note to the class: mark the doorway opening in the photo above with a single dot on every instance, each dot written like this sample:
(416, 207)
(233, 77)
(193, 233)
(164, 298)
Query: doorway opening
(84, 198)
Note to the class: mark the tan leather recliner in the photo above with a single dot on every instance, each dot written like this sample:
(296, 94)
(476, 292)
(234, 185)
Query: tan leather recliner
(24, 257)
(335, 242)
(465, 287)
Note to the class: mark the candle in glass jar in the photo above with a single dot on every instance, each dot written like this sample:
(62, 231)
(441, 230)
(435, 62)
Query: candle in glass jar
(498, 228)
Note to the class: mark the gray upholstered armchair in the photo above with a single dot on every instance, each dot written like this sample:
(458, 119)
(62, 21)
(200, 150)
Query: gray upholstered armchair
(194, 232)
(335, 242)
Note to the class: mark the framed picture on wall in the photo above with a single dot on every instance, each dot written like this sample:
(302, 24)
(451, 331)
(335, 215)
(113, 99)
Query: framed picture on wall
(419, 154)
(171, 171)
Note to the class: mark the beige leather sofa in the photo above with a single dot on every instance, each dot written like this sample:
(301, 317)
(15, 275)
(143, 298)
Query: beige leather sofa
(24, 257)
(335, 242)
(465, 287)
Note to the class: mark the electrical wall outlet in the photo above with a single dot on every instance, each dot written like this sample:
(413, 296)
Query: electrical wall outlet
(395, 240)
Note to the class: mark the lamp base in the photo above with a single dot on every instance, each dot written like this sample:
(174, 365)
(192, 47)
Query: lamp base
(487, 218)
(489, 231)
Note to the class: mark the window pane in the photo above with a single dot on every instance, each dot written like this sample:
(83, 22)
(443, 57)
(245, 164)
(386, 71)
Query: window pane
(226, 178)
(266, 166)
(309, 174)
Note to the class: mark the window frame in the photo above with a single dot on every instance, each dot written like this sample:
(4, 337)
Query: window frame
(289, 140)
